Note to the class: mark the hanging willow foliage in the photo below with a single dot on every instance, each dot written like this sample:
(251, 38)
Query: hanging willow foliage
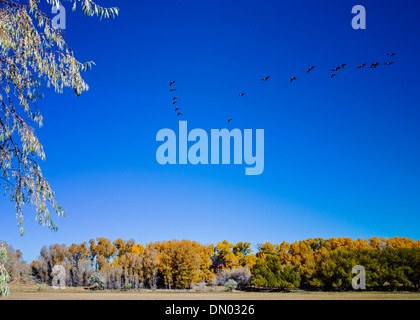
(4, 276)
(33, 54)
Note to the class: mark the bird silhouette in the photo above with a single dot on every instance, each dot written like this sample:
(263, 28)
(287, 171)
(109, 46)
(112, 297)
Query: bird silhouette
(229, 120)
(172, 90)
(374, 65)
(389, 63)
(343, 65)
(177, 108)
(310, 69)
(266, 78)
(333, 75)
(171, 83)
(241, 94)
(174, 102)
(292, 79)
(361, 66)
(175, 98)
(336, 69)
(391, 54)
(179, 114)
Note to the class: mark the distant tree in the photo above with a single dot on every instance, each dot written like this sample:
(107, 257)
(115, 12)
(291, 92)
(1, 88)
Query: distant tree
(151, 264)
(33, 54)
(205, 252)
(167, 261)
(79, 266)
(224, 255)
(187, 264)
(15, 266)
(269, 272)
(131, 265)
(334, 270)
(102, 251)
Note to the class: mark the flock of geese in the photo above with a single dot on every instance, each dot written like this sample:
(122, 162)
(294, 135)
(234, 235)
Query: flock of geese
(373, 66)
(175, 99)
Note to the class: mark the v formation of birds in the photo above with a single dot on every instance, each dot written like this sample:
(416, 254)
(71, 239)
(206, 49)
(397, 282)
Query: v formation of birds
(175, 100)
(373, 66)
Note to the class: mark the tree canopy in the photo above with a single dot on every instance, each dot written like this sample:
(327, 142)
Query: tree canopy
(34, 54)
(326, 264)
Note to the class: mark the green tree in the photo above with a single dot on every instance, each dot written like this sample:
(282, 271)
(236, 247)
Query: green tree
(269, 272)
(334, 269)
(33, 54)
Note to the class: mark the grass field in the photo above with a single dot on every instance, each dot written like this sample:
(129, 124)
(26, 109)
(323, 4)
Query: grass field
(31, 293)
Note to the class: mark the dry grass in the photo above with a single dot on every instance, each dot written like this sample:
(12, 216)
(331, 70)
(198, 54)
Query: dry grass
(30, 291)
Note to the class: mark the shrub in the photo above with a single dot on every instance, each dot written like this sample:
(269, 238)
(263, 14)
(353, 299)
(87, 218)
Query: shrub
(241, 275)
(126, 286)
(97, 281)
(231, 284)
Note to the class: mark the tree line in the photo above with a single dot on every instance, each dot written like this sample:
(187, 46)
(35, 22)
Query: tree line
(312, 264)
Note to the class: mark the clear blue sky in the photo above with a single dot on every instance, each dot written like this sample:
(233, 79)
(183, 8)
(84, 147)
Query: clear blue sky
(341, 155)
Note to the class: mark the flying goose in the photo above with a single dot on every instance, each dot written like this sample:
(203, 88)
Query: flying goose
(310, 69)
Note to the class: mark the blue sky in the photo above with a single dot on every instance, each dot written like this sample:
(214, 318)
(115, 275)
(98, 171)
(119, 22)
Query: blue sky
(341, 155)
